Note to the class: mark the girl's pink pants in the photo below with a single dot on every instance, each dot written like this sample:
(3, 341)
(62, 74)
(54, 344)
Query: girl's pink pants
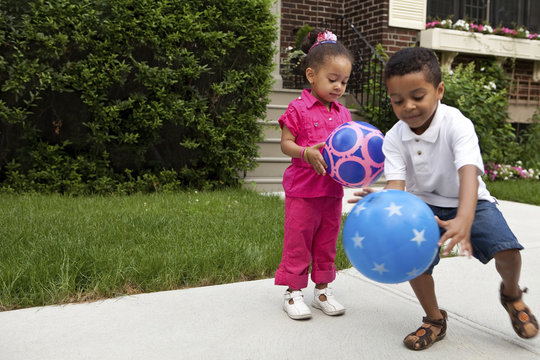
(311, 231)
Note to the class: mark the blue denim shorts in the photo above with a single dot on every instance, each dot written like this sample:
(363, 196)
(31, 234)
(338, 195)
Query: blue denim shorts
(489, 232)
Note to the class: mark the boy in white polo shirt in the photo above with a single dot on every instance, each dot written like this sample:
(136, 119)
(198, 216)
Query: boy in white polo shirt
(433, 152)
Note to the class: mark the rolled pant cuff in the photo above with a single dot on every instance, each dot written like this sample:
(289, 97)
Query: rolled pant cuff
(323, 277)
(291, 280)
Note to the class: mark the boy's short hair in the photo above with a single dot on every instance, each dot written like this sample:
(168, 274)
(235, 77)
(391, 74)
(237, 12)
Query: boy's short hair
(412, 60)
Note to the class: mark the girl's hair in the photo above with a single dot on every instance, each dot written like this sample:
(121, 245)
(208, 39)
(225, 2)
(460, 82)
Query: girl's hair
(413, 60)
(316, 55)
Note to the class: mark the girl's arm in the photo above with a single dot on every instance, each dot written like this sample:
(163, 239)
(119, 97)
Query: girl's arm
(291, 148)
(458, 230)
(390, 184)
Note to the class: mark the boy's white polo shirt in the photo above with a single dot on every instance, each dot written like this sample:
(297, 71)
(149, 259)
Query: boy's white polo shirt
(429, 162)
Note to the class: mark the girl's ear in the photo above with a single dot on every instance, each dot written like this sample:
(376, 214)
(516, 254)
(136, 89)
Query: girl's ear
(310, 74)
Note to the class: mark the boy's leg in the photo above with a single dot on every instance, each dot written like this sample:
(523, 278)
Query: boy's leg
(424, 289)
(433, 326)
(508, 264)
(492, 238)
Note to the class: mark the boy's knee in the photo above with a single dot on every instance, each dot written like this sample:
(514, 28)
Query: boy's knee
(509, 255)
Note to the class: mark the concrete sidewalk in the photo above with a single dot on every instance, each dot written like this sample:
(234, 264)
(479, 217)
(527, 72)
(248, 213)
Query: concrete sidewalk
(245, 320)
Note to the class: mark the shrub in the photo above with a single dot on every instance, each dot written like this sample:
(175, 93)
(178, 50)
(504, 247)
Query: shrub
(529, 142)
(96, 93)
(481, 95)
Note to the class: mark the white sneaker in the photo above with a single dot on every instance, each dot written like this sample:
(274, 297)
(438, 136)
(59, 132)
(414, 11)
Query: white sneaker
(331, 306)
(298, 310)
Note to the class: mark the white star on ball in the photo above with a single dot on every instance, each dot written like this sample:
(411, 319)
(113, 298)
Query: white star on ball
(380, 268)
(393, 209)
(413, 273)
(418, 237)
(358, 241)
(360, 207)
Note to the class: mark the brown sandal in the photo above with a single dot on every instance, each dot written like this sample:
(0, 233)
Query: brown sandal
(519, 318)
(424, 337)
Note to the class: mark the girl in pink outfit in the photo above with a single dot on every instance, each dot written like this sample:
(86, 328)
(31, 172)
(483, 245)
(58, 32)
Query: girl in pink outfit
(312, 198)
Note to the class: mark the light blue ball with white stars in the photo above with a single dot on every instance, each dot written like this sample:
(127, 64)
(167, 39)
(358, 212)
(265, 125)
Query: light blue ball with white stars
(391, 236)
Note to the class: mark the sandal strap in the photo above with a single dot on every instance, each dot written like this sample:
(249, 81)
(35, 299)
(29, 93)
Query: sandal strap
(511, 299)
(436, 322)
(424, 334)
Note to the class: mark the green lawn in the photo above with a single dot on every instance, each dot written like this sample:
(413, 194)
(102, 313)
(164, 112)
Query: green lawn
(525, 191)
(57, 249)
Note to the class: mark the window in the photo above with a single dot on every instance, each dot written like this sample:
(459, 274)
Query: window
(509, 13)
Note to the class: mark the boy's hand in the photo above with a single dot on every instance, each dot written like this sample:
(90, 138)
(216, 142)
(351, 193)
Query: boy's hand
(361, 193)
(316, 159)
(458, 231)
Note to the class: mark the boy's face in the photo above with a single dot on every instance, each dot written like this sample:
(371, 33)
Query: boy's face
(414, 100)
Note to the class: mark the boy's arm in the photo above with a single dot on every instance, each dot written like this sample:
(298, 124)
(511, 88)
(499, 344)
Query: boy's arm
(395, 184)
(458, 230)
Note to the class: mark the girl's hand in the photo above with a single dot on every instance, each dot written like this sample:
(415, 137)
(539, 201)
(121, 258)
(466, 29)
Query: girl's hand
(313, 156)
(458, 231)
(361, 193)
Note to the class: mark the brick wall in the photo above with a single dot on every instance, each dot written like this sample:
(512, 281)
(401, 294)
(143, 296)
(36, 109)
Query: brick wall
(370, 17)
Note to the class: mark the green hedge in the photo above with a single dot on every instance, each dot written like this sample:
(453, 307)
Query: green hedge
(104, 96)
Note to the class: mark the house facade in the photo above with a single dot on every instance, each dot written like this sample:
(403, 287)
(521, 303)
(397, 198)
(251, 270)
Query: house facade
(396, 24)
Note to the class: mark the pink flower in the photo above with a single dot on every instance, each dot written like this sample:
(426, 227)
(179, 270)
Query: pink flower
(326, 36)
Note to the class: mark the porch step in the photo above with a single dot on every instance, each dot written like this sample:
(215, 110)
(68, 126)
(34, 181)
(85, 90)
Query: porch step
(272, 162)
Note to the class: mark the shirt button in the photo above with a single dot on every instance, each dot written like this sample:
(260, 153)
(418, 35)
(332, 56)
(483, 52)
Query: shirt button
(330, 118)
(419, 152)
(417, 140)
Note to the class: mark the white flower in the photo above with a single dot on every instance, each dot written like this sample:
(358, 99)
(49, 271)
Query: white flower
(482, 69)
(461, 24)
(488, 28)
(493, 85)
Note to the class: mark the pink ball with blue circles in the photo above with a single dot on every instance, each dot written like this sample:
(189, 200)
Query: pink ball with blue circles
(353, 153)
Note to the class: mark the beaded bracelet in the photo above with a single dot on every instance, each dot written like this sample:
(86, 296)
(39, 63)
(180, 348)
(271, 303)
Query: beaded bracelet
(305, 155)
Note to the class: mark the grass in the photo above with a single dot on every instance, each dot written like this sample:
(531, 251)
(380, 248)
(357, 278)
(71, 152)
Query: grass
(57, 249)
(524, 191)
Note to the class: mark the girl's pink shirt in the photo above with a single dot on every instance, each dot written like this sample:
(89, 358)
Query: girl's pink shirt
(311, 122)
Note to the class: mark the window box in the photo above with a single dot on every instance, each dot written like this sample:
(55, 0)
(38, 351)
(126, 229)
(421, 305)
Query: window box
(478, 43)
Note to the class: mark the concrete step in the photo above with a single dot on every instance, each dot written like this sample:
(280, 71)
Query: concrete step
(271, 129)
(272, 162)
(270, 147)
(269, 167)
(268, 184)
(284, 96)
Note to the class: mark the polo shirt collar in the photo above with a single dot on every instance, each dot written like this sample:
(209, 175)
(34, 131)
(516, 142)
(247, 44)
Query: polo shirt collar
(311, 100)
(432, 132)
